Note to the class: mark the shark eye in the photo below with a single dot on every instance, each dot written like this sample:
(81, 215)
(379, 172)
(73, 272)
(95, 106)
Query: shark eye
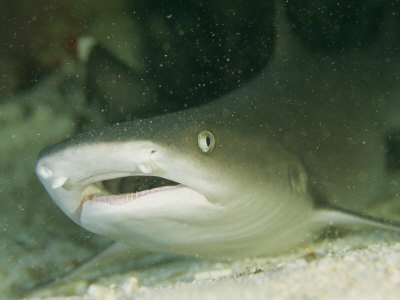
(206, 141)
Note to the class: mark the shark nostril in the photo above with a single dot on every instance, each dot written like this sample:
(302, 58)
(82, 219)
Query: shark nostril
(59, 182)
(146, 169)
(44, 172)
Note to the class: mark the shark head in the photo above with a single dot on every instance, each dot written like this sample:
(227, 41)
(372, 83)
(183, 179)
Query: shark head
(232, 189)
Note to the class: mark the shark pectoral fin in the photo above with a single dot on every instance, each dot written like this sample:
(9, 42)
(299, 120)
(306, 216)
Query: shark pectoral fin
(100, 264)
(345, 217)
(115, 258)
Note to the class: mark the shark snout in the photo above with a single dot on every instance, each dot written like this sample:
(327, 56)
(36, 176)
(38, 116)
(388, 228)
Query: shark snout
(74, 174)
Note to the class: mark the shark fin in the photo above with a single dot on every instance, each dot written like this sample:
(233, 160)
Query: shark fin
(121, 92)
(338, 216)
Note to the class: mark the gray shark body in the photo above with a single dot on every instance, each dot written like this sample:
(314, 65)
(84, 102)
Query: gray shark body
(251, 167)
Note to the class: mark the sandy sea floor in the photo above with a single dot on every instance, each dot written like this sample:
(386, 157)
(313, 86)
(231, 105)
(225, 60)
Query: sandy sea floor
(38, 242)
(362, 265)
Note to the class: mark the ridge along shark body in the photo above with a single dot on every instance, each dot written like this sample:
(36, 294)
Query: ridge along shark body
(250, 166)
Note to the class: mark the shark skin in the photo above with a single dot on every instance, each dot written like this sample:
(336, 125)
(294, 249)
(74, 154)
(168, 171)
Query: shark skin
(252, 168)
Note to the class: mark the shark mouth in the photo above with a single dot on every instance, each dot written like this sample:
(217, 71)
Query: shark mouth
(81, 181)
(120, 191)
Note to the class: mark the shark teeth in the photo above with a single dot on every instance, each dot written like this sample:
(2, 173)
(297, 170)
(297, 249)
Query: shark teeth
(92, 191)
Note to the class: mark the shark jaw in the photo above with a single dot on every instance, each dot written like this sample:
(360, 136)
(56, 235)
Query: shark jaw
(74, 179)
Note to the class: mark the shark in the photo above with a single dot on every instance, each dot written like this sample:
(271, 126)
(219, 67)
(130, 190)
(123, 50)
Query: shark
(256, 172)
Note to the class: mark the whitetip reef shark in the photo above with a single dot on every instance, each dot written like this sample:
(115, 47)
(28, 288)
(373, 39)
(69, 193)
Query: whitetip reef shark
(251, 168)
